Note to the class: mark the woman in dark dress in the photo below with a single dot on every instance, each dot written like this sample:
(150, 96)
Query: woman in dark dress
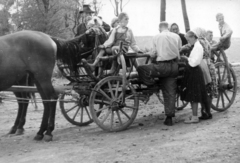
(175, 29)
(193, 84)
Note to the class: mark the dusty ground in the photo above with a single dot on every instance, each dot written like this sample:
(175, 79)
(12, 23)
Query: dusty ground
(215, 141)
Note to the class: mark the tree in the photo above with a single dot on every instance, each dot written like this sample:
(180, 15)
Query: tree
(5, 26)
(163, 11)
(97, 6)
(118, 6)
(185, 16)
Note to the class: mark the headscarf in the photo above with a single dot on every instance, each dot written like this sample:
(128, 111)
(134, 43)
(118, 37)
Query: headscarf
(199, 32)
(170, 27)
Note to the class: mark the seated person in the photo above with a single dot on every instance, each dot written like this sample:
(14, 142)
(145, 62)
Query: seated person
(175, 29)
(212, 42)
(226, 33)
(120, 34)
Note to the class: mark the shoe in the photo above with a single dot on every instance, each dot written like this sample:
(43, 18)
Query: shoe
(205, 116)
(168, 121)
(192, 119)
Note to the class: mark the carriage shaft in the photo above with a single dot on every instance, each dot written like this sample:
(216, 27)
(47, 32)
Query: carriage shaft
(32, 89)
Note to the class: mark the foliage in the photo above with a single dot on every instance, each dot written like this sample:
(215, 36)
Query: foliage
(5, 26)
(118, 6)
(54, 17)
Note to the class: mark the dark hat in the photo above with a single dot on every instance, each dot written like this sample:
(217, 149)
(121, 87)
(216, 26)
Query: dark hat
(86, 9)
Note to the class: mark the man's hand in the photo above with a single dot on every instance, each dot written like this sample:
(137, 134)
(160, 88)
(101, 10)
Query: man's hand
(184, 58)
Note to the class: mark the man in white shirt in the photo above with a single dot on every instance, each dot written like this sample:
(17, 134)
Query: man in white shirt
(166, 46)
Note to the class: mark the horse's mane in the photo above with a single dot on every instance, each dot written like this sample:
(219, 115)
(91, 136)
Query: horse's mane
(70, 52)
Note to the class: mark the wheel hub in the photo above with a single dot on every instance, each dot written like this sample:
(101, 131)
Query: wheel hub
(83, 101)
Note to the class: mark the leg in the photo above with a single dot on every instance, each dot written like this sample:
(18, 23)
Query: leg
(91, 67)
(14, 128)
(24, 105)
(169, 88)
(206, 109)
(194, 118)
(145, 73)
(47, 92)
(114, 51)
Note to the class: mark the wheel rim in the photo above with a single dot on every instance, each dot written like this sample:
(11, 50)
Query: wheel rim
(76, 110)
(114, 115)
(226, 95)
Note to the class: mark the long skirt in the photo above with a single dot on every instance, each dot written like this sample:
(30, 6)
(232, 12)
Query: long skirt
(193, 87)
(206, 72)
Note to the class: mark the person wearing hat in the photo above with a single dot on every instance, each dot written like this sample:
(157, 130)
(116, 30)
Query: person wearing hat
(86, 12)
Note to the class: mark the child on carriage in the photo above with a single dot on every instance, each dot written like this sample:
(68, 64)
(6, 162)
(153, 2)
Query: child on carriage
(226, 33)
(119, 34)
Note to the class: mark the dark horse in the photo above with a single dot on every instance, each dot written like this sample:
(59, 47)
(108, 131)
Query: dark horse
(34, 53)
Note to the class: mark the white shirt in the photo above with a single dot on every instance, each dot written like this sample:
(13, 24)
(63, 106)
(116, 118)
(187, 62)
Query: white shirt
(166, 45)
(196, 55)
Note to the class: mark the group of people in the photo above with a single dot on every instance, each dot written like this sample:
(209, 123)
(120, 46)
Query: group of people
(198, 84)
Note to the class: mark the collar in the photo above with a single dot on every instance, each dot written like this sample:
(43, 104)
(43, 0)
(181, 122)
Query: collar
(166, 30)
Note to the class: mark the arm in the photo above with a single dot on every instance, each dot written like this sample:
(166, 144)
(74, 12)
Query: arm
(111, 38)
(133, 43)
(179, 46)
(153, 53)
(196, 55)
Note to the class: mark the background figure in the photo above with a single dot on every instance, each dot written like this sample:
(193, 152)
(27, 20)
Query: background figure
(212, 42)
(175, 29)
(87, 15)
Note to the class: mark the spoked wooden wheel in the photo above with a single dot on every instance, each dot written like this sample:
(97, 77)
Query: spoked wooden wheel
(180, 105)
(114, 115)
(75, 109)
(226, 93)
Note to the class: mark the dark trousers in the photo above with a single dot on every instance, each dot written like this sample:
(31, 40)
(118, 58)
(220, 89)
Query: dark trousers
(167, 73)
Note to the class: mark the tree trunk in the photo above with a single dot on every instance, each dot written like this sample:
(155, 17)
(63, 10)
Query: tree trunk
(163, 11)
(185, 16)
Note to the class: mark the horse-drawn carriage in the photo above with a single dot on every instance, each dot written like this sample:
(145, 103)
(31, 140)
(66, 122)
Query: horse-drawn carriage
(112, 102)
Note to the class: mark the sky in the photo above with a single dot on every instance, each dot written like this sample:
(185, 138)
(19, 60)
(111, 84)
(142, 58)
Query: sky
(145, 14)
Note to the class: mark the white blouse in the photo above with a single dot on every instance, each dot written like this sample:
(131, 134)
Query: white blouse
(196, 55)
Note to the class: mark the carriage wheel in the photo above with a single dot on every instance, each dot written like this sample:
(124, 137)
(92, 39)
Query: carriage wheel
(226, 95)
(114, 115)
(180, 105)
(75, 110)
